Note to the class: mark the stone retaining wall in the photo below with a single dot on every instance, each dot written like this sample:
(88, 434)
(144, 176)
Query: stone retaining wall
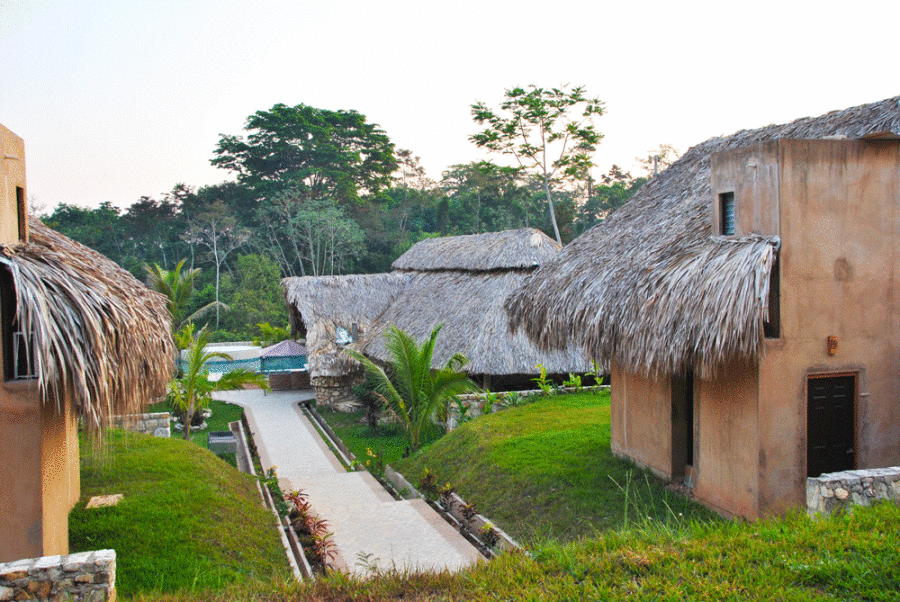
(334, 392)
(841, 490)
(82, 577)
(156, 424)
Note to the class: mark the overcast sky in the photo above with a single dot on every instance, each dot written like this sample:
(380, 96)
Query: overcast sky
(121, 99)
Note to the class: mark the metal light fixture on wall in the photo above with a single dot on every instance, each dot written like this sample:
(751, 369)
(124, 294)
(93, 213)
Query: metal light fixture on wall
(832, 345)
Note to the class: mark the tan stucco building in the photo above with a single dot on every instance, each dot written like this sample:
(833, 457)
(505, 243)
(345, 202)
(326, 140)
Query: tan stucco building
(44, 390)
(747, 302)
(38, 443)
(824, 395)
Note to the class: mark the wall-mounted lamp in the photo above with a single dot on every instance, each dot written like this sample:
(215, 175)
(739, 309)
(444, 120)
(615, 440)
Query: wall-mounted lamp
(832, 345)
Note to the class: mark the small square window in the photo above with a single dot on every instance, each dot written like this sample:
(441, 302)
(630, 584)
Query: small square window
(726, 211)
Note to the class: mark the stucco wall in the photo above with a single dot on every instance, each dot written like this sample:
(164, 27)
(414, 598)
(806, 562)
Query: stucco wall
(12, 175)
(725, 468)
(640, 420)
(838, 220)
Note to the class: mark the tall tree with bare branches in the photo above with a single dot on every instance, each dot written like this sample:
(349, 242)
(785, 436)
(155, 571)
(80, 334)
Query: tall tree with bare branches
(549, 131)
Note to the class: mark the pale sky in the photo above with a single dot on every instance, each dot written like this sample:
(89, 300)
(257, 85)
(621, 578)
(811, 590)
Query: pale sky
(118, 99)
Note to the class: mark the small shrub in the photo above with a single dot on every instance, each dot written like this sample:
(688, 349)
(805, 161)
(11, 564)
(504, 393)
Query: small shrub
(513, 399)
(574, 380)
(489, 400)
(546, 385)
(371, 401)
(489, 535)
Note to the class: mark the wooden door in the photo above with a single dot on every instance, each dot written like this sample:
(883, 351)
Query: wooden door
(830, 424)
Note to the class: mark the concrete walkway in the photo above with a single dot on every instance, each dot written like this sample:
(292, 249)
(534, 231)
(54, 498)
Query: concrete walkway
(369, 525)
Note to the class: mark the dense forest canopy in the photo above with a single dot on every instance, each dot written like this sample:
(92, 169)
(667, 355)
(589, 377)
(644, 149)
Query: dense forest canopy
(322, 192)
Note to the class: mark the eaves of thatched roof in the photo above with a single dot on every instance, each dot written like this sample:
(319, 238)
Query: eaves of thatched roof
(523, 248)
(651, 288)
(470, 306)
(96, 330)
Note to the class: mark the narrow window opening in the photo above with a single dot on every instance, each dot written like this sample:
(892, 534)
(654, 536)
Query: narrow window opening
(18, 361)
(22, 212)
(726, 211)
(772, 326)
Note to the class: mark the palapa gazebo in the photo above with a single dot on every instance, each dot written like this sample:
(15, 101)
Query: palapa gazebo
(458, 281)
(82, 340)
(712, 294)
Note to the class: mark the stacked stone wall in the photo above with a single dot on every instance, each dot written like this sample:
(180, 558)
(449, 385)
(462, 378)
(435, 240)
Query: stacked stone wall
(82, 577)
(335, 392)
(156, 424)
(842, 490)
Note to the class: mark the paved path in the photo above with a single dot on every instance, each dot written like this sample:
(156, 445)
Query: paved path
(365, 519)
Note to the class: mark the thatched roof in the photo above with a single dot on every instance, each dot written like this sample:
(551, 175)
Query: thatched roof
(458, 281)
(324, 303)
(96, 329)
(470, 305)
(650, 287)
(523, 248)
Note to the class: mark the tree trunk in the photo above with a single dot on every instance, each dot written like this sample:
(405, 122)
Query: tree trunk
(552, 212)
(188, 418)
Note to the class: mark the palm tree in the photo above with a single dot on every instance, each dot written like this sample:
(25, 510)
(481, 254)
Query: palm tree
(193, 391)
(178, 286)
(414, 392)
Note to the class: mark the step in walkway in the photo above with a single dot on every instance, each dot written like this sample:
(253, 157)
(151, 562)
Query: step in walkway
(369, 526)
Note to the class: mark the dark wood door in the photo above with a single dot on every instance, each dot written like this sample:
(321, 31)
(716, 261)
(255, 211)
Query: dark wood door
(830, 424)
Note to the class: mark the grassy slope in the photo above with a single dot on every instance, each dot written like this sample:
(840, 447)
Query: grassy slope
(850, 557)
(188, 520)
(545, 471)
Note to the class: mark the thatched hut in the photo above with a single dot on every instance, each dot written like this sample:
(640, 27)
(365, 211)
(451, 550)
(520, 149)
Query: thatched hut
(458, 281)
(82, 339)
(322, 306)
(462, 283)
(718, 295)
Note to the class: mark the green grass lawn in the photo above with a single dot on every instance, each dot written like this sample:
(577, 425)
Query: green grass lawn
(545, 471)
(386, 439)
(854, 556)
(188, 520)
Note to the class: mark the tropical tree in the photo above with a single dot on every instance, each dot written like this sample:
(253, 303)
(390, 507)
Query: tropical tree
(193, 391)
(321, 153)
(414, 392)
(549, 132)
(178, 286)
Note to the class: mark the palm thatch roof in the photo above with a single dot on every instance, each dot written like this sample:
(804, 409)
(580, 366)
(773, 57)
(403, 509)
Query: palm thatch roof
(651, 288)
(524, 248)
(96, 330)
(458, 281)
(470, 306)
(321, 304)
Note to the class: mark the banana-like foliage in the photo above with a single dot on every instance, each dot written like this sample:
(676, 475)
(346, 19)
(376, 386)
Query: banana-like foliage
(416, 393)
